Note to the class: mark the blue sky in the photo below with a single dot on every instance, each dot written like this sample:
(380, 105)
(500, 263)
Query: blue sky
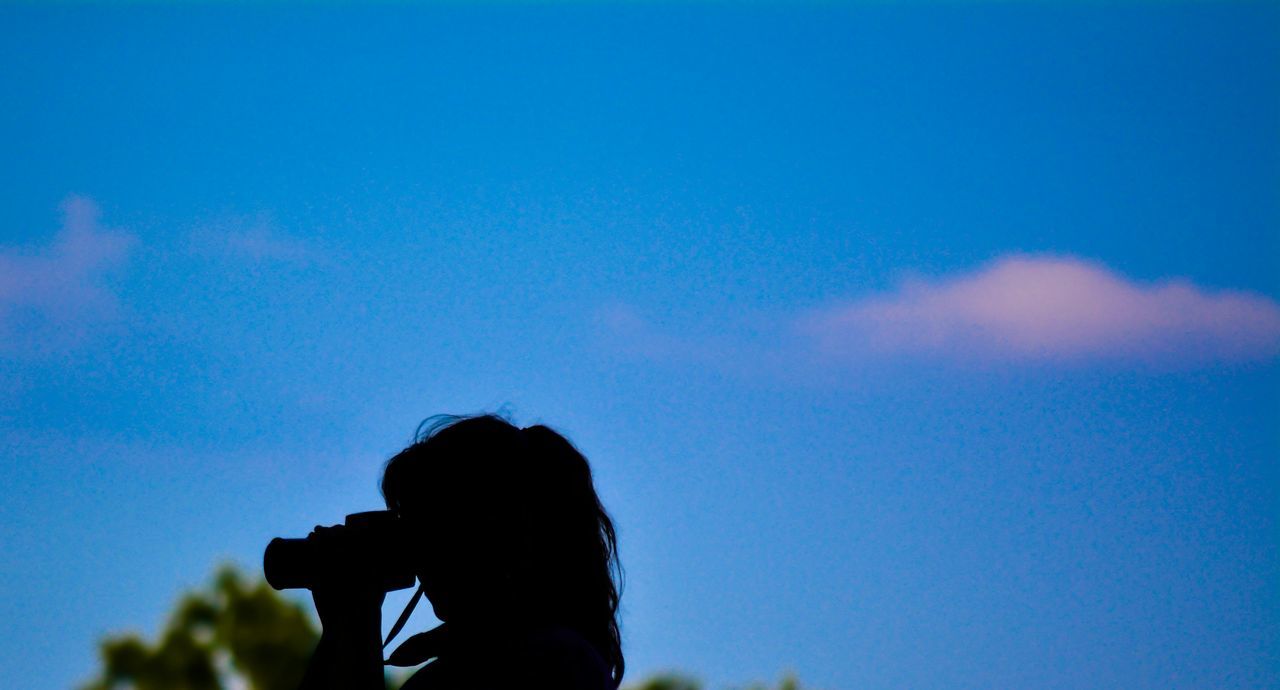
(914, 345)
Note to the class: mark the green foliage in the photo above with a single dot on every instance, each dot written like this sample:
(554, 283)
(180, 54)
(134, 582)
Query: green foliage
(243, 629)
(676, 681)
(269, 639)
(235, 628)
(788, 682)
(666, 681)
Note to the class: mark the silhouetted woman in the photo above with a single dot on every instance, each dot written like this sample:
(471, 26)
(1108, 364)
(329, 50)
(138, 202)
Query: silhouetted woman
(516, 555)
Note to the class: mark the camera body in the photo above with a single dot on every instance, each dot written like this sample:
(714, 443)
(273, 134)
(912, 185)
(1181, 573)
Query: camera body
(369, 551)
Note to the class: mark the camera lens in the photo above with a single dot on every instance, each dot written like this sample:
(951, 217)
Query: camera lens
(289, 563)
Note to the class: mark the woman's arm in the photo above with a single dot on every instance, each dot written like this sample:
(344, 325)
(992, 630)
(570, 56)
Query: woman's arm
(349, 656)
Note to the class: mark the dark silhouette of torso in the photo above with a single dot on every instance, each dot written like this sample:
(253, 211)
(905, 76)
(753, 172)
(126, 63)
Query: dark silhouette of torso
(505, 534)
(533, 657)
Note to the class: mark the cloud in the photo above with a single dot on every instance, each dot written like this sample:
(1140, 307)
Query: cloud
(630, 333)
(52, 294)
(254, 239)
(1061, 309)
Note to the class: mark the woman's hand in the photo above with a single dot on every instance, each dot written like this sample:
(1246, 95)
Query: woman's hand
(346, 594)
(349, 602)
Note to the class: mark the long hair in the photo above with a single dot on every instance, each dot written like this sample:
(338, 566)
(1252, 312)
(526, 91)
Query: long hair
(528, 495)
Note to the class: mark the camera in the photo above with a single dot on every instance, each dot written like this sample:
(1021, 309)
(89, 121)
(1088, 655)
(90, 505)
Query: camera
(369, 551)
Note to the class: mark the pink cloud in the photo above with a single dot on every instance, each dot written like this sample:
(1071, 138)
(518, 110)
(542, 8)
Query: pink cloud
(1031, 308)
(633, 334)
(52, 293)
(254, 239)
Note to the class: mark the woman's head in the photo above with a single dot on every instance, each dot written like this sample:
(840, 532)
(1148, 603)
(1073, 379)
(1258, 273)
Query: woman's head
(506, 521)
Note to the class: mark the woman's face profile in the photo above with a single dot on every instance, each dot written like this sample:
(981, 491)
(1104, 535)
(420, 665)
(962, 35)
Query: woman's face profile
(503, 527)
(455, 558)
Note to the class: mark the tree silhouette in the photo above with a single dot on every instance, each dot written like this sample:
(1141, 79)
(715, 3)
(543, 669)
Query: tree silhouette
(235, 630)
(678, 681)
(240, 633)
(667, 681)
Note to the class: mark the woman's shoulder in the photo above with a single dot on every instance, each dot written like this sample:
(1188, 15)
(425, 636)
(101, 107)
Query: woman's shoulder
(551, 657)
(559, 656)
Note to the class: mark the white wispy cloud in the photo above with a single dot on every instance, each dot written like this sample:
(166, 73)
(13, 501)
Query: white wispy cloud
(631, 333)
(1063, 309)
(255, 239)
(51, 294)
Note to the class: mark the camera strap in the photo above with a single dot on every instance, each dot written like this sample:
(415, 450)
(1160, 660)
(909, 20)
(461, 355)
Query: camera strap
(404, 618)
